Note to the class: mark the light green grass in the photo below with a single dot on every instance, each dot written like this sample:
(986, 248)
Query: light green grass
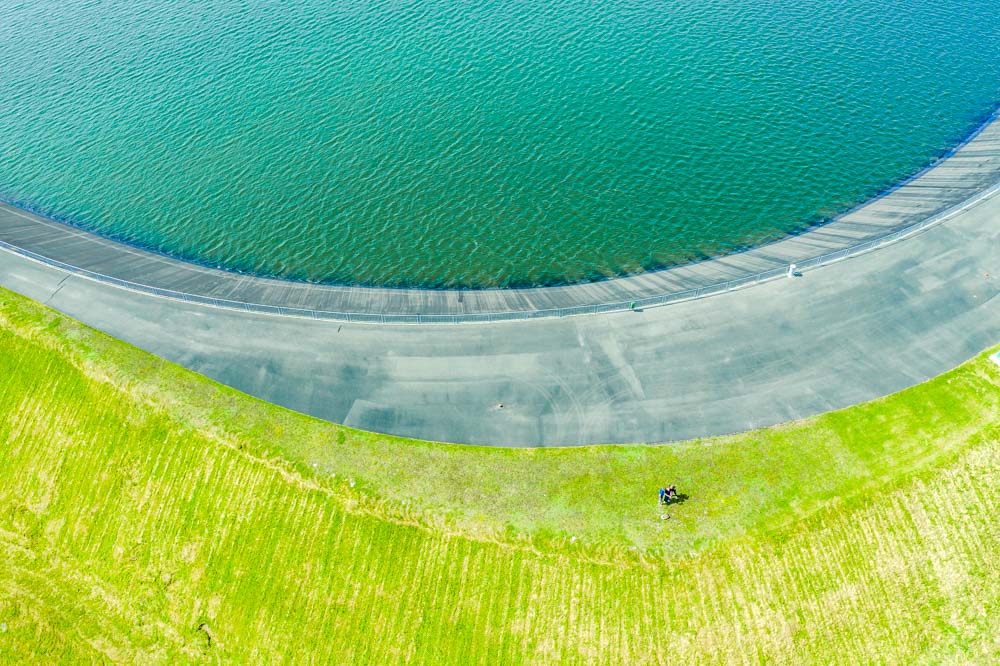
(144, 509)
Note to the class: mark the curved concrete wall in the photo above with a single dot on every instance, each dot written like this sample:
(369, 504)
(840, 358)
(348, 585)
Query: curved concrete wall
(970, 172)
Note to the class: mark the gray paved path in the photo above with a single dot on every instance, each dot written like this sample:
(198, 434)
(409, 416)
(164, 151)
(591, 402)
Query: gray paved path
(844, 333)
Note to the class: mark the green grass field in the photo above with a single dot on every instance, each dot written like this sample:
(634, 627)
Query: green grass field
(150, 515)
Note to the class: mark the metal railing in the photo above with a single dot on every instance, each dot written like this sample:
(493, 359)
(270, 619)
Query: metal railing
(472, 317)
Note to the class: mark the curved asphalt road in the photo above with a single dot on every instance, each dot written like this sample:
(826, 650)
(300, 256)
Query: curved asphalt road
(841, 334)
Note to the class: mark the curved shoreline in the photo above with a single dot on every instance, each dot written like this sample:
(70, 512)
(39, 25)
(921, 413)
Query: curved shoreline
(845, 333)
(984, 120)
(965, 175)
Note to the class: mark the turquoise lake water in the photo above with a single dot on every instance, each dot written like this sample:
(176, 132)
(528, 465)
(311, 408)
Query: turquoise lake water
(445, 143)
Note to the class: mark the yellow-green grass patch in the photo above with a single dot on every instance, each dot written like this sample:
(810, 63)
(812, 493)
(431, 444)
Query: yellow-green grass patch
(149, 514)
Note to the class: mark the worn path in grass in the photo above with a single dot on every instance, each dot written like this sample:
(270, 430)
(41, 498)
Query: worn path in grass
(839, 335)
(149, 515)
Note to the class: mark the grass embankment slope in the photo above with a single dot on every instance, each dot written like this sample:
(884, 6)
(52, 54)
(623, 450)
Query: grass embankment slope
(148, 514)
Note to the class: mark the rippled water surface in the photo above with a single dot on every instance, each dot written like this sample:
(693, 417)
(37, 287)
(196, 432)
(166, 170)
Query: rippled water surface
(438, 142)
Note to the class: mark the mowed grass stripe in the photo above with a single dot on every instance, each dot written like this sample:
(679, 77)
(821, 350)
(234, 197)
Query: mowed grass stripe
(130, 532)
